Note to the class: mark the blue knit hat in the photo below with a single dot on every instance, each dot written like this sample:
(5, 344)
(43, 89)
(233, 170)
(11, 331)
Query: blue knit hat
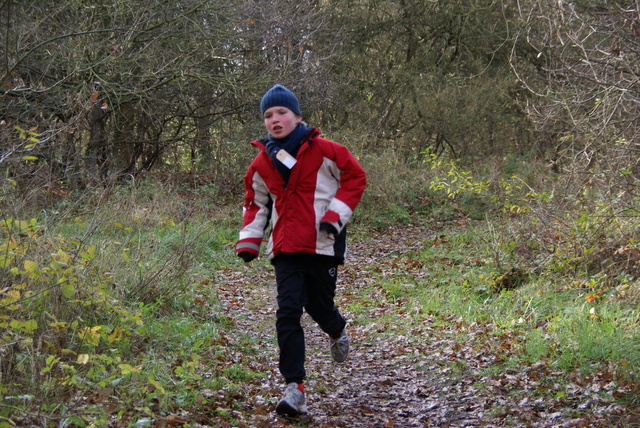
(281, 97)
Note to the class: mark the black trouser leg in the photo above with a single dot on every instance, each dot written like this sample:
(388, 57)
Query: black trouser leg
(309, 282)
(321, 290)
(290, 283)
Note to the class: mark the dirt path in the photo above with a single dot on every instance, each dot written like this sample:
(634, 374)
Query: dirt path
(433, 377)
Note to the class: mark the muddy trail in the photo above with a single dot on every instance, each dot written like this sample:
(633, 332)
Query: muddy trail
(437, 374)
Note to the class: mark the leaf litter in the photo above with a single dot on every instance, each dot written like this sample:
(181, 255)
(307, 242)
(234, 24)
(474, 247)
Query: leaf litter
(438, 373)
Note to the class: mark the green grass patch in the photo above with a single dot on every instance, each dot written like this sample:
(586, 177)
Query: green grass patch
(551, 322)
(115, 298)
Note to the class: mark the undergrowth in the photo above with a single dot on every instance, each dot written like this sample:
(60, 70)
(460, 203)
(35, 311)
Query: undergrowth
(117, 300)
(114, 298)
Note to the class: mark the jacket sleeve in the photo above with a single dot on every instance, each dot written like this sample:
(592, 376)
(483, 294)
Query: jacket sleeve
(256, 213)
(352, 179)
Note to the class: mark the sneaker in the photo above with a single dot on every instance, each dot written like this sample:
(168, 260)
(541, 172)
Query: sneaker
(340, 347)
(292, 402)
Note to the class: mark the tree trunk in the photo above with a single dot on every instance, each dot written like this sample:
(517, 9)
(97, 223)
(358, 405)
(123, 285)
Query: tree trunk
(97, 165)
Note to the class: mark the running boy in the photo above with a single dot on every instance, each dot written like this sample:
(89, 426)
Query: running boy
(308, 188)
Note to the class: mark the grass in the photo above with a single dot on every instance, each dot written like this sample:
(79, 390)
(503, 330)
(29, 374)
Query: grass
(553, 323)
(119, 299)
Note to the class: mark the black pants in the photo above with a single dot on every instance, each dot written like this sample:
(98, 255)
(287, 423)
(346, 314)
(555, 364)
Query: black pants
(305, 281)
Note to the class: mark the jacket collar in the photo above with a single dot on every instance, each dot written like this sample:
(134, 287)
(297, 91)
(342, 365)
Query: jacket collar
(262, 143)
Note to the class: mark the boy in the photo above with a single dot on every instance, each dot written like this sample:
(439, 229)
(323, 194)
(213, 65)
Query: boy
(308, 188)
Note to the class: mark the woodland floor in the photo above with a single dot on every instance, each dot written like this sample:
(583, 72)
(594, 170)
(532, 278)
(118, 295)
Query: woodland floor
(437, 374)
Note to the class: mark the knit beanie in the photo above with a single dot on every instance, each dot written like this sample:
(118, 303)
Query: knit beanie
(281, 97)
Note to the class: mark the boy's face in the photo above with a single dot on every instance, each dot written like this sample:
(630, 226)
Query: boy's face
(280, 121)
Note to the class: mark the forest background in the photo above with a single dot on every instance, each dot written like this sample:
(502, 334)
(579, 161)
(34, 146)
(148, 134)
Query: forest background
(124, 136)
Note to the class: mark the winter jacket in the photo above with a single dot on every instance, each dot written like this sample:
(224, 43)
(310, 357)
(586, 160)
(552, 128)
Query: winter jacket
(325, 185)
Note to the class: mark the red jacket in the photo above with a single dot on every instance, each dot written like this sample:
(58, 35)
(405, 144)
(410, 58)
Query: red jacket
(326, 184)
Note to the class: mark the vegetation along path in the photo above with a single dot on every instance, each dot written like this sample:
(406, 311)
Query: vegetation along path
(410, 365)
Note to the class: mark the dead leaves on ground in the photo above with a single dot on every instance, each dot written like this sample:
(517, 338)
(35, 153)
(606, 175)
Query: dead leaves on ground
(441, 373)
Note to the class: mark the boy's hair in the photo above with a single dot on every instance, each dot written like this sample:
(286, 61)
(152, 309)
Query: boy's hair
(281, 97)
